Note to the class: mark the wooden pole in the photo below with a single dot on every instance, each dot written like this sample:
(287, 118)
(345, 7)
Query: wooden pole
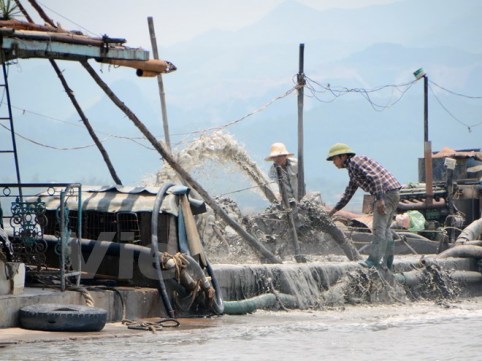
(69, 92)
(160, 83)
(23, 11)
(427, 147)
(291, 220)
(86, 122)
(42, 13)
(301, 84)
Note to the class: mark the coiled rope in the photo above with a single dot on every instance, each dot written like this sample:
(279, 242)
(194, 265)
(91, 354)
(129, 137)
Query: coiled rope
(151, 326)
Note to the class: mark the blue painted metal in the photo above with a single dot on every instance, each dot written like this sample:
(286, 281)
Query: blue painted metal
(22, 48)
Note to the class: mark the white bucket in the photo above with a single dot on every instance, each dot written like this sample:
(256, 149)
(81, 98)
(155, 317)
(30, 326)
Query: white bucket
(12, 278)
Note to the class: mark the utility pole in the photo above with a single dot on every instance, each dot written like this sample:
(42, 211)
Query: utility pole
(160, 83)
(291, 219)
(301, 85)
(427, 145)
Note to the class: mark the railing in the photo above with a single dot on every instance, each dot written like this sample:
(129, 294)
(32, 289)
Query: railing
(25, 221)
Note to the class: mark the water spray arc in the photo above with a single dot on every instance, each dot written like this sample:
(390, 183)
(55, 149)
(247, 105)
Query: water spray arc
(224, 149)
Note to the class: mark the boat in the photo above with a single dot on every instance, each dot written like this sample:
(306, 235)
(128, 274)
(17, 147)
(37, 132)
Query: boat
(146, 236)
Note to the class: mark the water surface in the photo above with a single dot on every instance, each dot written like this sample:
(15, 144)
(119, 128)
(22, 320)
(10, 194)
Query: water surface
(415, 331)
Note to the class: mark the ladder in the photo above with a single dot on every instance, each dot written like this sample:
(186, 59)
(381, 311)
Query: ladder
(8, 117)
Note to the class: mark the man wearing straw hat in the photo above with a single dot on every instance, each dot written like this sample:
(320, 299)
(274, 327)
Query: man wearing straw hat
(288, 164)
(372, 177)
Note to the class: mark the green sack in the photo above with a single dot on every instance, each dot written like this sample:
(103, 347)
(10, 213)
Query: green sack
(417, 221)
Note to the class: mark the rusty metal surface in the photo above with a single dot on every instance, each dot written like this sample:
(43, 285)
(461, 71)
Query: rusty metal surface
(21, 39)
(448, 152)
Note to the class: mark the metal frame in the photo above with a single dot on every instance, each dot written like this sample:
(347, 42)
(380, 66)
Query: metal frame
(65, 240)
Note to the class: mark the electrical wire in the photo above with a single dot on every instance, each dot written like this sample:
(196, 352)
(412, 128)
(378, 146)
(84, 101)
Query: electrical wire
(239, 191)
(260, 109)
(317, 88)
(69, 20)
(80, 125)
(454, 93)
(49, 146)
(469, 127)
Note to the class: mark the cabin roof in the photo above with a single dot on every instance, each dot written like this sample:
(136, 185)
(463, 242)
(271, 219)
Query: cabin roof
(114, 199)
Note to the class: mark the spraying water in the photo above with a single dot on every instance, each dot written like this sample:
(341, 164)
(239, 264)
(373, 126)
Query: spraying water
(222, 148)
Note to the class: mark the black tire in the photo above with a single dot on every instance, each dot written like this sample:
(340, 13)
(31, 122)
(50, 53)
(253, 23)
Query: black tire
(59, 317)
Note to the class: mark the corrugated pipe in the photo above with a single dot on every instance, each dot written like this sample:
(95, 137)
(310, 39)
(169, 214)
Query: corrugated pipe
(264, 301)
(472, 232)
(415, 278)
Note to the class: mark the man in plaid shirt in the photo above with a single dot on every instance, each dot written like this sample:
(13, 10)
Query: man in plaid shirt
(373, 178)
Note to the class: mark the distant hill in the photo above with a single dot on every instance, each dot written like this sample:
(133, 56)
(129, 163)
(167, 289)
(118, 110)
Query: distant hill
(222, 76)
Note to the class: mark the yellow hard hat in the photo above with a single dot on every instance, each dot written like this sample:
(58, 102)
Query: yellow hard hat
(338, 149)
(276, 150)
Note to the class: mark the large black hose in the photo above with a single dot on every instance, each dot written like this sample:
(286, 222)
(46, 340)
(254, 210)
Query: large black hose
(197, 273)
(472, 232)
(463, 251)
(155, 248)
(218, 304)
(145, 254)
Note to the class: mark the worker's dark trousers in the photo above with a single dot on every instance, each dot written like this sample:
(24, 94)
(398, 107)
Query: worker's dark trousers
(382, 244)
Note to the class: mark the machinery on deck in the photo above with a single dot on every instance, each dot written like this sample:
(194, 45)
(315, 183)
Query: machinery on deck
(449, 201)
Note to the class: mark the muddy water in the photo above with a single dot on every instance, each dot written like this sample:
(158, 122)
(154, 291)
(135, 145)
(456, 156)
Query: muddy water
(415, 331)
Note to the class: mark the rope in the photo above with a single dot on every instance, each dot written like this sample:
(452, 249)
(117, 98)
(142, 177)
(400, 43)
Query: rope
(151, 326)
(121, 297)
(89, 301)
(180, 261)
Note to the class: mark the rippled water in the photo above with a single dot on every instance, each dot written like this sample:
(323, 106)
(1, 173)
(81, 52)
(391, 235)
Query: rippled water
(420, 331)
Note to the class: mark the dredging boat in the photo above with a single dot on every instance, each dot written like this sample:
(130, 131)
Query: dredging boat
(108, 235)
(69, 235)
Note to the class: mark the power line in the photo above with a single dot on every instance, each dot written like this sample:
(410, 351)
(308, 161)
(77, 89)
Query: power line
(80, 125)
(69, 20)
(239, 191)
(206, 130)
(315, 88)
(453, 92)
(337, 92)
(49, 146)
(469, 127)
(260, 109)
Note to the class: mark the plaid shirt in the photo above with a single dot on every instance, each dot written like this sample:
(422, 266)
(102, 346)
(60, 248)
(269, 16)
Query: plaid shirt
(370, 176)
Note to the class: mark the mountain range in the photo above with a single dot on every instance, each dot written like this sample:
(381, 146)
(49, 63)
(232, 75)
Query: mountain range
(359, 66)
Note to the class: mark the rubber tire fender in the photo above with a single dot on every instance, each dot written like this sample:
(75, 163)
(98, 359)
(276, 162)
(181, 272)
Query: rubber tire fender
(62, 317)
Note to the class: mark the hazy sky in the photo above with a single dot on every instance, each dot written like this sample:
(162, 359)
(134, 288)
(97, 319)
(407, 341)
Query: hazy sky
(182, 20)
(174, 21)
